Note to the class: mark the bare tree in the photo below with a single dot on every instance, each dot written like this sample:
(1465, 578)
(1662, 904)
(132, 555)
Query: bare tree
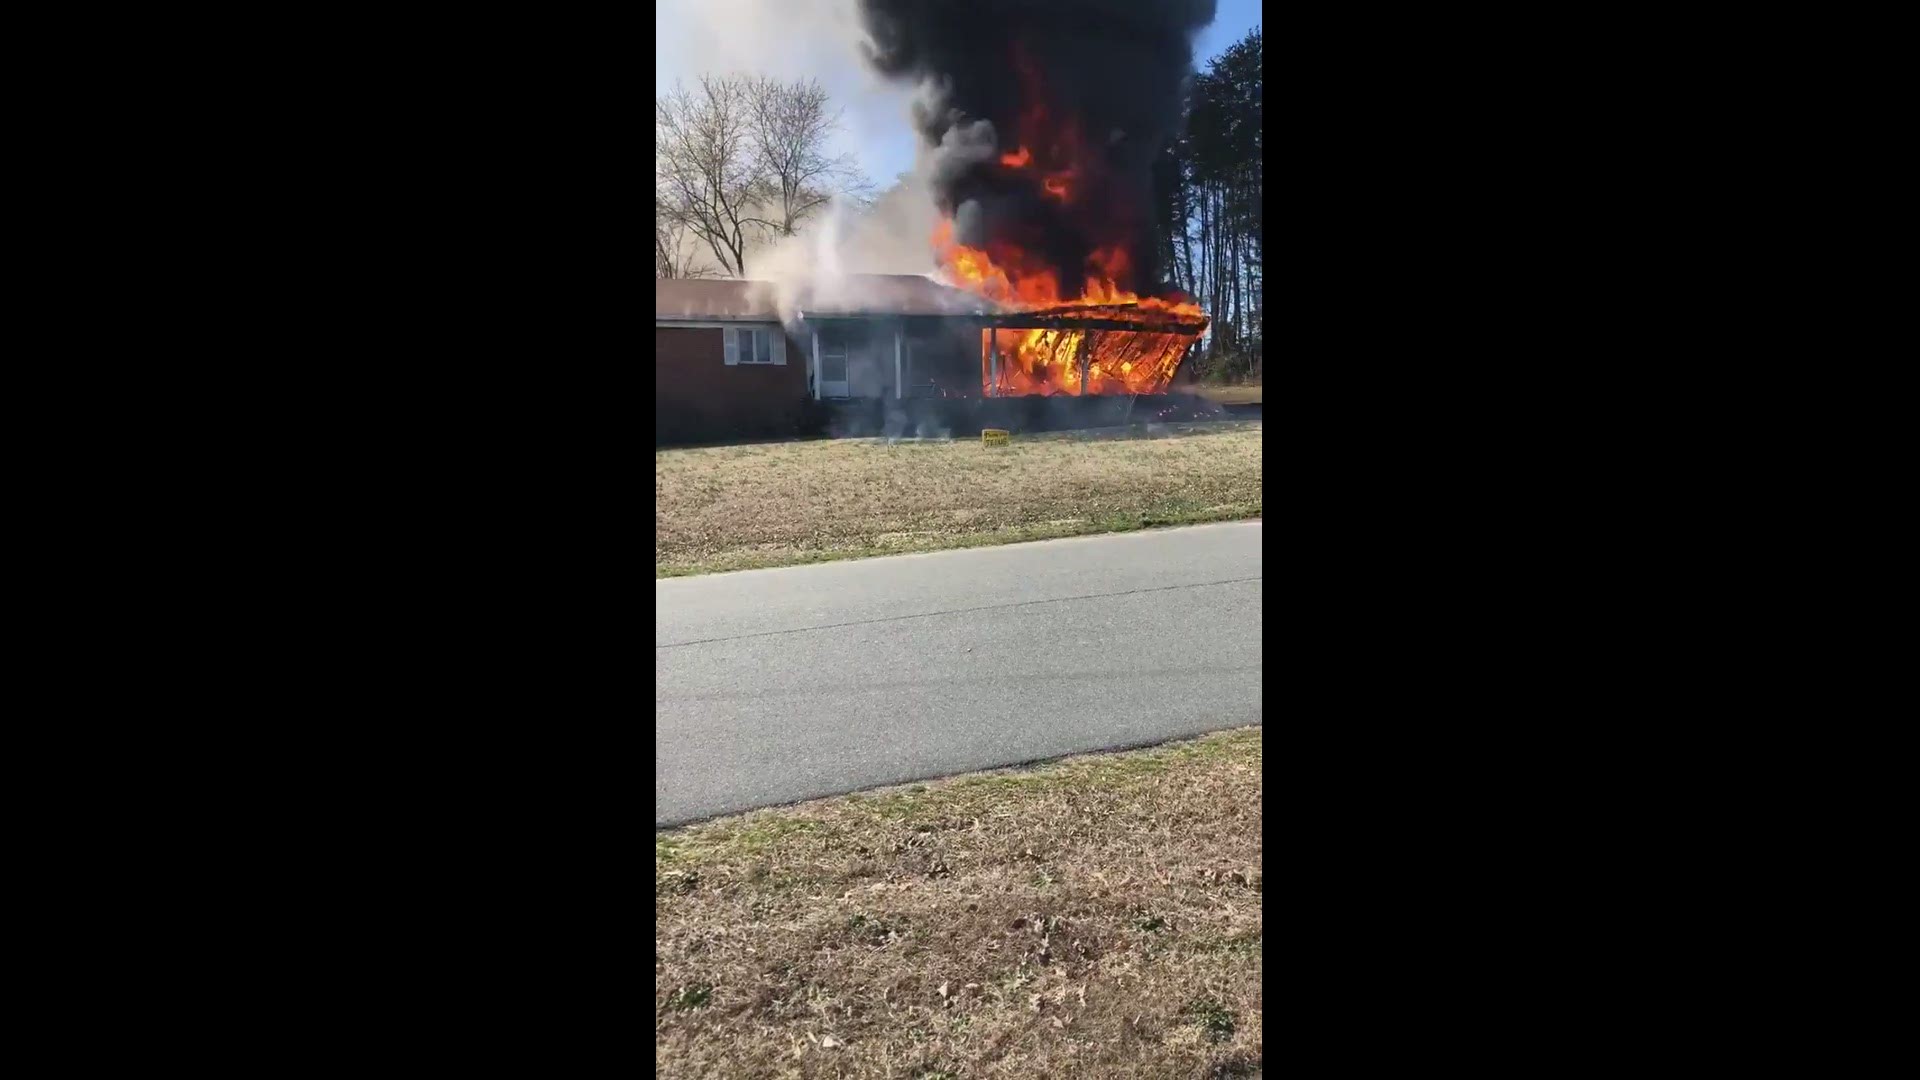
(671, 257)
(708, 175)
(790, 125)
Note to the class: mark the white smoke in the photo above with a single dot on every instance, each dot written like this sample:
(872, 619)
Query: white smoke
(783, 39)
(816, 267)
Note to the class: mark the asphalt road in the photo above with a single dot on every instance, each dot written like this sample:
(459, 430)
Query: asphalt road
(775, 686)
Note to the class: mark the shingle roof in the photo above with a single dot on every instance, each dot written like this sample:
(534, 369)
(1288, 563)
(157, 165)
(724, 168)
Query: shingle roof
(698, 298)
(892, 294)
(853, 294)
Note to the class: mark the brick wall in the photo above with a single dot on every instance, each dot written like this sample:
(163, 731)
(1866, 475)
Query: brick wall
(700, 399)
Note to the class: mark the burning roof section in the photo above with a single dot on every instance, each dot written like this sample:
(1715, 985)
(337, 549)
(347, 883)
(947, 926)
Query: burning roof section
(1043, 119)
(1130, 346)
(898, 295)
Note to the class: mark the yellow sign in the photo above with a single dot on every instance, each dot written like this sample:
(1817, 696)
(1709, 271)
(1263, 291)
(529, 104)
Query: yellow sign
(993, 437)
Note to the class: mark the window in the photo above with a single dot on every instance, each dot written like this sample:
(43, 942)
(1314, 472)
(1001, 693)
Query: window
(755, 345)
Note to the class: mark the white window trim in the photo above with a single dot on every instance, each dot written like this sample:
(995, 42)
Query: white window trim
(746, 345)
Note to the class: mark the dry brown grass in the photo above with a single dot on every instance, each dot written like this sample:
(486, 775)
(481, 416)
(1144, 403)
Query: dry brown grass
(774, 504)
(1095, 917)
(1231, 395)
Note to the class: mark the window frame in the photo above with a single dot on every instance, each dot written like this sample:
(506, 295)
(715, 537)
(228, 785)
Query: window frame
(753, 346)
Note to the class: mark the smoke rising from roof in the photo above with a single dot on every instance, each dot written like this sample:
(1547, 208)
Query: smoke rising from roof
(816, 268)
(1091, 89)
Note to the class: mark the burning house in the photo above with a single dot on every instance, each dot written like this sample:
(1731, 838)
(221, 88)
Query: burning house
(1044, 119)
(898, 354)
(1041, 121)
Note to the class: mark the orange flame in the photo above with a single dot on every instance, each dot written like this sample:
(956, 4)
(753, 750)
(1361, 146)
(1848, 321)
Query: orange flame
(1012, 279)
(1048, 361)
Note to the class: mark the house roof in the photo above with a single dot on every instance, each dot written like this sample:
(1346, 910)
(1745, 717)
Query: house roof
(851, 295)
(892, 294)
(698, 298)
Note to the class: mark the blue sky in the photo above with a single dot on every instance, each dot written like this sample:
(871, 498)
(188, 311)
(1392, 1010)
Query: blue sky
(1230, 24)
(815, 38)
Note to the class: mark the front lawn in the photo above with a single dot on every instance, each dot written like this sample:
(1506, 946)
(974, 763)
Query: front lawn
(1098, 916)
(776, 504)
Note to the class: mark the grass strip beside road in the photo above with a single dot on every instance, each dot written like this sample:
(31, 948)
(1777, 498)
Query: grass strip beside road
(1097, 916)
(781, 504)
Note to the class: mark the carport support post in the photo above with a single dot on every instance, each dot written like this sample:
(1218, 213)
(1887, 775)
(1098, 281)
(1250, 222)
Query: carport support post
(816, 364)
(897, 391)
(993, 361)
(1086, 351)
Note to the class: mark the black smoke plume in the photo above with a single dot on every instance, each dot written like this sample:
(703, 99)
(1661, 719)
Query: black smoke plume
(1095, 85)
